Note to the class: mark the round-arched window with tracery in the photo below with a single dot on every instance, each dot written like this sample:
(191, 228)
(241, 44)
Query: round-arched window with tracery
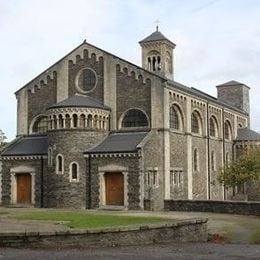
(86, 80)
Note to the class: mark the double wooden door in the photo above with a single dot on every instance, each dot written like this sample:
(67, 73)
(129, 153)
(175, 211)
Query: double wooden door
(24, 184)
(114, 182)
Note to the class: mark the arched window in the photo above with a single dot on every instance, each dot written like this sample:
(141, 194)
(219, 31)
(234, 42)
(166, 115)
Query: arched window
(49, 156)
(227, 130)
(74, 172)
(134, 118)
(195, 160)
(89, 121)
(60, 120)
(67, 121)
(40, 125)
(75, 120)
(213, 127)
(82, 120)
(196, 125)
(227, 160)
(59, 164)
(213, 161)
(54, 122)
(175, 118)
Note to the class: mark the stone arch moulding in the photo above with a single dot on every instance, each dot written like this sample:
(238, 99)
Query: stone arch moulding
(102, 188)
(34, 120)
(136, 108)
(181, 114)
(19, 170)
(200, 120)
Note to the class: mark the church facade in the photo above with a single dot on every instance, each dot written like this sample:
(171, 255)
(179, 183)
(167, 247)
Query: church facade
(96, 131)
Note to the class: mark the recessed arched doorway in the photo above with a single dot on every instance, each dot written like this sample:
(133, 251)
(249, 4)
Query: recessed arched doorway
(114, 188)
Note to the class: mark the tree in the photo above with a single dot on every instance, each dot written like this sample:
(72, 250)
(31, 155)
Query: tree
(2, 139)
(244, 169)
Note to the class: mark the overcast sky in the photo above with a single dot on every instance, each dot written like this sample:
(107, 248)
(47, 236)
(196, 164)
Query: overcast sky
(217, 40)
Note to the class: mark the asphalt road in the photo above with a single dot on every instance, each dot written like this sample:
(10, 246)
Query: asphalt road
(188, 251)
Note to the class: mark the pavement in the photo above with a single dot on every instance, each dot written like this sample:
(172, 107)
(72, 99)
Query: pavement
(235, 229)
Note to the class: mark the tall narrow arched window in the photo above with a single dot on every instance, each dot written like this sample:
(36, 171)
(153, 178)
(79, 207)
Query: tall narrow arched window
(60, 120)
(149, 63)
(212, 161)
(227, 161)
(196, 123)
(82, 120)
(195, 160)
(90, 121)
(40, 125)
(67, 121)
(134, 118)
(59, 164)
(75, 120)
(176, 121)
(213, 127)
(227, 130)
(74, 172)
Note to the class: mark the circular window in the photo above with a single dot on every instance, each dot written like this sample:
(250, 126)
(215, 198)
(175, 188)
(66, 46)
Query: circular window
(86, 80)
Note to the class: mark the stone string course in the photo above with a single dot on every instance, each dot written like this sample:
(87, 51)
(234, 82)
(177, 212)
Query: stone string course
(194, 230)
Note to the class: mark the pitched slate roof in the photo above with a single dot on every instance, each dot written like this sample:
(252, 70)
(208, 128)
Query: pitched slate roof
(30, 145)
(201, 94)
(231, 83)
(246, 134)
(80, 101)
(155, 36)
(119, 142)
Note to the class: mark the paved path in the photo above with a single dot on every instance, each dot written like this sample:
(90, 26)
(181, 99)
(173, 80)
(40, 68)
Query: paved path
(236, 228)
(187, 251)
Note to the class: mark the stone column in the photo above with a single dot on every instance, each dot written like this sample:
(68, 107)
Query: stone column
(189, 149)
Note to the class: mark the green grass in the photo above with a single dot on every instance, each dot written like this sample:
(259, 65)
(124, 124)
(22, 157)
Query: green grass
(81, 220)
(255, 238)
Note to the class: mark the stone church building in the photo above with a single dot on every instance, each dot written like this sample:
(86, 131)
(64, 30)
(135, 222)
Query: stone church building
(96, 131)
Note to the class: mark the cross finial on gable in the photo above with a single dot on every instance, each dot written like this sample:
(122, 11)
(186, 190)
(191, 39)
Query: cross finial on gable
(157, 25)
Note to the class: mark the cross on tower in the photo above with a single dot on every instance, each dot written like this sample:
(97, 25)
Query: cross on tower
(157, 22)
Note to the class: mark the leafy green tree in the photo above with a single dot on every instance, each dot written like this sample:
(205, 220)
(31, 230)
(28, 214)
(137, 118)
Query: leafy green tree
(244, 169)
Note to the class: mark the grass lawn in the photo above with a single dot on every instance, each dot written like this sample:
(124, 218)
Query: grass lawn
(81, 220)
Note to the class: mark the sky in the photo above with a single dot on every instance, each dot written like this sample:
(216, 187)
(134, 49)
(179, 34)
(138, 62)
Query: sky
(217, 41)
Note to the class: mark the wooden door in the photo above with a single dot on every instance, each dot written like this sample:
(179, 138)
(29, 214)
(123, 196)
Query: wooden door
(23, 188)
(114, 188)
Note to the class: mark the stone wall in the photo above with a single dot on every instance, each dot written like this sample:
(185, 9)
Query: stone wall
(231, 207)
(6, 178)
(87, 62)
(41, 98)
(178, 159)
(181, 231)
(132, 93)
(71, 144)
(101, 165)
(153, 161)
(199, 178)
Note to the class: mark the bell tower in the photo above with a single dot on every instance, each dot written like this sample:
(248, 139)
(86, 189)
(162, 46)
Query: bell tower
(157, 54)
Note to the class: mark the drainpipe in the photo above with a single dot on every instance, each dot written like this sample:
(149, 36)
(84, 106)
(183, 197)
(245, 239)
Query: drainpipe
(89, 182)
(209, 177)
(224, 149)
(42, 186)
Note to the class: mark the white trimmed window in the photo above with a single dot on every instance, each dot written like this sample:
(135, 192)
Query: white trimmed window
(151, 178)
(195, 160)
(49, 156)
(74, 172)
(176, 177)
(213, 161)
(59, 164)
